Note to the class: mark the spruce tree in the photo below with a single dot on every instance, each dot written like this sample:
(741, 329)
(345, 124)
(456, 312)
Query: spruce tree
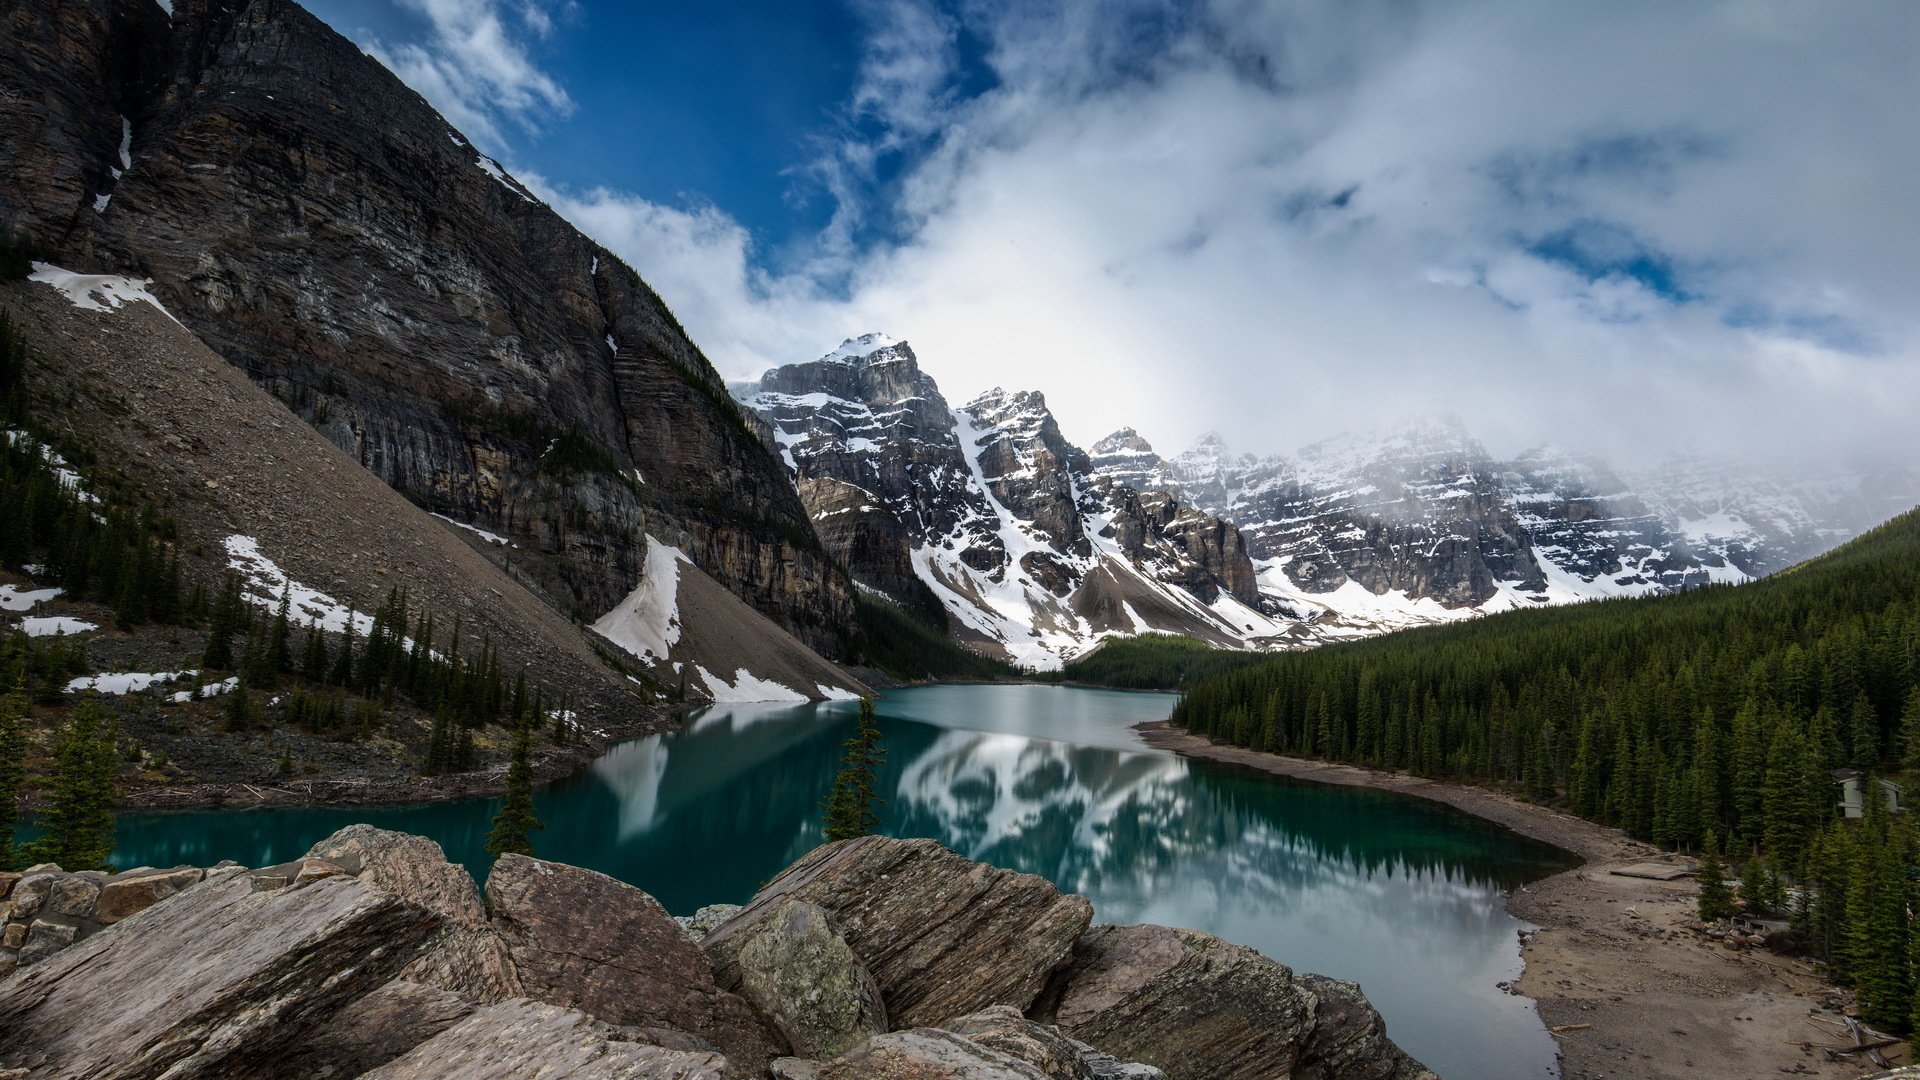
(849, 807)
(13, 769)
(514, 825)
(1716, 899)
(78, 821)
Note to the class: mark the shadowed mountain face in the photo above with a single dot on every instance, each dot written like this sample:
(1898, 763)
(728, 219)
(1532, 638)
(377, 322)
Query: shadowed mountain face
(987, 514)
(320, 226)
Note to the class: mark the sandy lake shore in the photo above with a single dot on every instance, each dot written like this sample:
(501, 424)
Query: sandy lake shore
(1634, 993)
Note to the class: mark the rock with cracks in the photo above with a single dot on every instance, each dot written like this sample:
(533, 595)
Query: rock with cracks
(792, 967)
(942, 935)
(585, 941)
(207, 982)
(467, 957)
(1201, 1008)
(519, 1039)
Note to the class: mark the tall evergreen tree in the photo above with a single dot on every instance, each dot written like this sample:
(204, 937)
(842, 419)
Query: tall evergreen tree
(78, 822)
(849, 809)
(514, 825)
(1716, 899)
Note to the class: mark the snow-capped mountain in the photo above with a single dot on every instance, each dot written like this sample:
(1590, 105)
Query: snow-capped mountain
(987, 514)
(1419, 524)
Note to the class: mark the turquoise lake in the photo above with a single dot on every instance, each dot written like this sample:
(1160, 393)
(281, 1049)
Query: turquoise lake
(1403, 896)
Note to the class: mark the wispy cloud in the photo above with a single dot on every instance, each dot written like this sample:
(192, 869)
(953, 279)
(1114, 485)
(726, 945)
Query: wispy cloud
(473, 64)
(1619, 226)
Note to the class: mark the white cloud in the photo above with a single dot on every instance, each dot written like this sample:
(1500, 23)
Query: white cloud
(1624, 227)
(473, 66)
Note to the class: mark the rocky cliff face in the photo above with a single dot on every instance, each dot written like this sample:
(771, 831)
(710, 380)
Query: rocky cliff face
(986, 513)
(319, 225)
(373, 956)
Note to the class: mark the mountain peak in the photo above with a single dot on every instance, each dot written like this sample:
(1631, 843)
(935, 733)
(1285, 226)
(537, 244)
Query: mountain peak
(855, 349)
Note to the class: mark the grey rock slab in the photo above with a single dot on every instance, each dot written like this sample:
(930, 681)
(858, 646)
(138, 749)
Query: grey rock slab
(370, 1032)
(220, 976)
(467, 956)
(1200, 1008)
(942, 935)
(926, 1054)
(519, 1040)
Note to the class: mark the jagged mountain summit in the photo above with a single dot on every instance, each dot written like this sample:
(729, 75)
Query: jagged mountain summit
(1419, 523)
(985, 515)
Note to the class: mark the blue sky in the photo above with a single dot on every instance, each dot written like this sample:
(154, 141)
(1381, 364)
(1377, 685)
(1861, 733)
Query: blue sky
(1638, 228)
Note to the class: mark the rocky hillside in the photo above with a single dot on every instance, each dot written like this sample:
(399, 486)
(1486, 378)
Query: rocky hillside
(373, 956)
(399, 292)
(985, 515)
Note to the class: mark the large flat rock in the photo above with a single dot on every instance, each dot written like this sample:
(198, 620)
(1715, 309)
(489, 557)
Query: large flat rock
(207, 981)
(522, 1040)
(467, 957)
(942, 935)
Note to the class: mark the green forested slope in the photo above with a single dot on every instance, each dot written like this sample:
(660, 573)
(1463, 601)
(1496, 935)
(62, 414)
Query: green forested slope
(1720, 709)
(1712, 717)
(1155, 662)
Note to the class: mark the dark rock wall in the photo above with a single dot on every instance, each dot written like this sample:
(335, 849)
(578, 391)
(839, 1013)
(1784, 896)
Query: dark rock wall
(319, 225)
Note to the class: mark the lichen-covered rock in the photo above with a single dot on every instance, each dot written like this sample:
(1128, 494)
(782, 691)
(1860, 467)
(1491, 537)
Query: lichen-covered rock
(926, 1054)
(942, 935)
(1201, 1008)
(137, 890)
(368, 1033)
(585, 941)
(518, 1039)
(701, 923)
(467, 956)
(791, 966)
(1045, 1048)
(220, 976)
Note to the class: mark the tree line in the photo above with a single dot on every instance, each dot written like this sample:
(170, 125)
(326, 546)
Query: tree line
(1719, 713)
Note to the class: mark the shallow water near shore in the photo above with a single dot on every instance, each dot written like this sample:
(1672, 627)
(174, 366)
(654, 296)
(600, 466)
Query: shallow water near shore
(1403, 896)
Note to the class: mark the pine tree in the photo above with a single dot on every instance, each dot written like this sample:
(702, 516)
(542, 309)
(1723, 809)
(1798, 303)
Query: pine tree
(1716, 899)
(78, 821)
(1877, 926)
(1910, 731)
(13, 768)
(514, 825)
(849, 807)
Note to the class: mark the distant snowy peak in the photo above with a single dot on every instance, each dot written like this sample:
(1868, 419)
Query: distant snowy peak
(989, 515)
(1126, 458)
(869, 348)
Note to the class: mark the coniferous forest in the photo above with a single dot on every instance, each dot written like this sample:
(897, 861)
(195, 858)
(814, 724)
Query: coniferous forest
(1718, 715)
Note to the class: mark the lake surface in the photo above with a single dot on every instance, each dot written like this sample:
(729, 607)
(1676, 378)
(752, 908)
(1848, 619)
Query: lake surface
(1403, 896)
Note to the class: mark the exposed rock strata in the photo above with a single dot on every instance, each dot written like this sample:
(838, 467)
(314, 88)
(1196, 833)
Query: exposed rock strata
(397, 289)
(943, 936)
(292, 970)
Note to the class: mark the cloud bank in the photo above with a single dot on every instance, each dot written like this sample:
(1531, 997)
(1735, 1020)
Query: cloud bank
(1633, 228)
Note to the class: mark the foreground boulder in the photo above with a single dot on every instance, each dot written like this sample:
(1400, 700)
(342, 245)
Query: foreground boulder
(519, 1039)
(1201, 1008)
(368, 1033)
(790, 965)
(943, 936)
(467, 957)
(1045, 1048)
(584, 941)
(926, 1054)
(207, 982)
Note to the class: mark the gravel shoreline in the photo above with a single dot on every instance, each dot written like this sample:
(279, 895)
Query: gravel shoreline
(1637, 995)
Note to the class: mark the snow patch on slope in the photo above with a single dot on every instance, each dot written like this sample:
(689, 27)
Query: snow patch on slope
(745, 688)
(12, 599)
(263, 583)
(96, 292)
(647, 622)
